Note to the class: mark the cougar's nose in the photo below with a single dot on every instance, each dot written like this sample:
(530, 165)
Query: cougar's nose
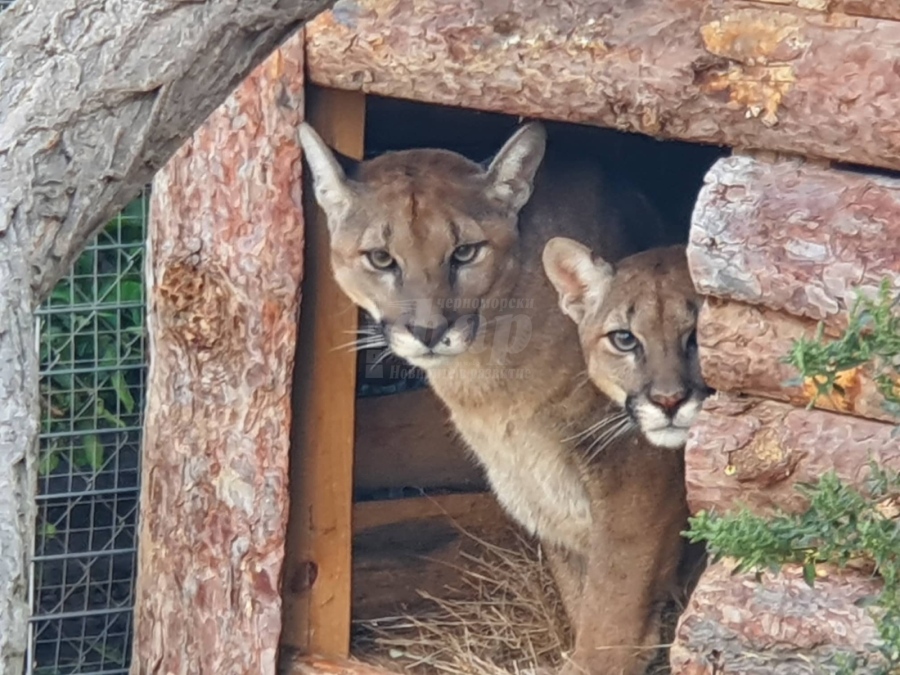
(429, 336)
(669, 401)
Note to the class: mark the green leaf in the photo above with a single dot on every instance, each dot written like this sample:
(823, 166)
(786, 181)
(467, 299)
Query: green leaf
(809, 573)
(48, 530)
(122, 391)
(48, 463)
(93, 452)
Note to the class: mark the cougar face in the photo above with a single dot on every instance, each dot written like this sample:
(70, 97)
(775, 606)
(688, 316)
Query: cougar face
(636, 321)
(421, 239)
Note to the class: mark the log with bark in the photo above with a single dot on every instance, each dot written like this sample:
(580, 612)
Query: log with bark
(225, 263)
(94, 98)
(754, 452)
(743, 349)
(777, 625)
(744, 74)
(795, 236)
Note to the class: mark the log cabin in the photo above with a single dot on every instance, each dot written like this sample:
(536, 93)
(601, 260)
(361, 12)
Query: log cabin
(276, 503)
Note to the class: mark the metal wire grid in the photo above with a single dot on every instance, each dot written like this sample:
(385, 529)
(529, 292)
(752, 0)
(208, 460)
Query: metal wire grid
(93, 365)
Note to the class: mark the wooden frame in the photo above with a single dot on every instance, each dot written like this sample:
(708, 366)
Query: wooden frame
(317, 575)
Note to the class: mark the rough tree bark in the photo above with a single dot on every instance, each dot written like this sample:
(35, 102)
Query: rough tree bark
(753, 452)
(738, 624)
(94, 98)
(224, 268)
(743, 349)
(794, 236)
(744, 74)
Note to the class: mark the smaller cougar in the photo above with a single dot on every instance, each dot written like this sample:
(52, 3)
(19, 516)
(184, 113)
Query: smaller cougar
(636, 323)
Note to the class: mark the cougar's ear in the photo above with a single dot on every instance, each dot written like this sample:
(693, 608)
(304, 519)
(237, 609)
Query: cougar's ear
(511, 173)
(580, 280)
(334, 193)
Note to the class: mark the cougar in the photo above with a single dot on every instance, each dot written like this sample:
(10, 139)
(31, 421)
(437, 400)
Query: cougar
(445, 255)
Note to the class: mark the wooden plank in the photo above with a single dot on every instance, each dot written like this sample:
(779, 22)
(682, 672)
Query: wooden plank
(406, 440)
(474, 510)
(742, 74)
(224, 266)
(294, 664)
(794, 236)
(742, 349)
(317, 579)
(753, 452)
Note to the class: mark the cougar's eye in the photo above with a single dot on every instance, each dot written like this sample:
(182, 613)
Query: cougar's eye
(380, 259)
(466, 253)
(623, 340)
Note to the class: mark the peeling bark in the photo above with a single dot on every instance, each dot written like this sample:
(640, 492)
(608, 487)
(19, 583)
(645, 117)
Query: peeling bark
(753, 453)
(95, 96)
(794, 236)
(225, 262)
(742, 349)
(733, 73)
(776, 626)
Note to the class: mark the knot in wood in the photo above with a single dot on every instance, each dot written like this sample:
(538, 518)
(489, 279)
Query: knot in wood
(197, 305)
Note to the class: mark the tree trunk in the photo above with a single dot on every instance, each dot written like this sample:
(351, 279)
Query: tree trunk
(794, 236)
(94, 98)
(225, 261)
(753, 452)
(742, 348)
(715, 71)
(776, 626)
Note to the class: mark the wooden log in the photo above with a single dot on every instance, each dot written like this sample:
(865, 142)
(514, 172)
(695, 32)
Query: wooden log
(406, 441)
(753, 452)
(742, 348)
(779, 626)
(225, 263)
(715, 71)
(794, 236)
(317, 575)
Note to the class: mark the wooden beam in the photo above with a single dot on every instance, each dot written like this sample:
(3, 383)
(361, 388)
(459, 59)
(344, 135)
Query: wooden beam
(224, 265)
(743, 74)
(317, 579)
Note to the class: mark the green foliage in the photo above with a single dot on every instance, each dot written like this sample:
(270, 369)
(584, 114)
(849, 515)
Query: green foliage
(91, 347)
(842, 524)
(872, 337)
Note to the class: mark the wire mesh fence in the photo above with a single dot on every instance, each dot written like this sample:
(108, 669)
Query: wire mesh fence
(93, 365)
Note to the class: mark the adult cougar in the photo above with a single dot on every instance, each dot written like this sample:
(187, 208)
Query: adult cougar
(437, 249)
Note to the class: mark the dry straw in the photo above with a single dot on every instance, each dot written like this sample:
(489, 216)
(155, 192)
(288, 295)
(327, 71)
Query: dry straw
(504, 617)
